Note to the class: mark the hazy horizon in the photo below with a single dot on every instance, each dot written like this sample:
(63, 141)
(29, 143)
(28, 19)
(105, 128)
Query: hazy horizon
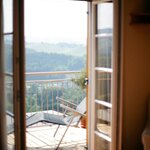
(55, 21)
(55, 41)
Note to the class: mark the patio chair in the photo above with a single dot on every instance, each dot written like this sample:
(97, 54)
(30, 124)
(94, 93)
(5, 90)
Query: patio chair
(77, 112)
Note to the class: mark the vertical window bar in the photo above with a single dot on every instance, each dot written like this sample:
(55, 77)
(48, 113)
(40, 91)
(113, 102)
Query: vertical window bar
(19, 78)
(3, 143)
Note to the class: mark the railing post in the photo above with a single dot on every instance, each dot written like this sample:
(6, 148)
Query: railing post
(36, 101)
(41, 97)
(56, 100)
(52, 97)
(47, 96)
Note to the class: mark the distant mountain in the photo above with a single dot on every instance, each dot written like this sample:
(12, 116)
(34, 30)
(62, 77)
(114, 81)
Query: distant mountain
(37, 61)
(42, 61)
(59, 48)
(47, 62)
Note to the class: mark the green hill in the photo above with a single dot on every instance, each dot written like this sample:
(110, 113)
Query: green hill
(42, 62)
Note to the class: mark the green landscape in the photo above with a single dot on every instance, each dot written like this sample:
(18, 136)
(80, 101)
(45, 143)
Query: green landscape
(46, 57)
(46, 60)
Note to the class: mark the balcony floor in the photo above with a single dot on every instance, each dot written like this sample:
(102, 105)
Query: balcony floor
(40, 137)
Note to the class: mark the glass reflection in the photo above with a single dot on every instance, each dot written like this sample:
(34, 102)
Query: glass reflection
(103, 119)
(8, 52)
(104, 27)
(104, 51)
(104, 18)
(103, 86)
(101, 144)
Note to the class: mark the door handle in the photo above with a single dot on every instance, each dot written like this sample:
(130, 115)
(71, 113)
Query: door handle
(86, 81)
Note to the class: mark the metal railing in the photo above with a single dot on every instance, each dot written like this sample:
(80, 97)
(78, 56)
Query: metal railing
(42, 88)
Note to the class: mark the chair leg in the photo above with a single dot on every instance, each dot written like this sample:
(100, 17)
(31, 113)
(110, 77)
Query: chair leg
(56, 130)
(64, 133)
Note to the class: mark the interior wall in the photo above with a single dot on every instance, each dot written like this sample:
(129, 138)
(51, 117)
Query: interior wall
(136, 75)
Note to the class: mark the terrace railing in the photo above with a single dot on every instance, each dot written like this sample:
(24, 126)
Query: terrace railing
(42, 88)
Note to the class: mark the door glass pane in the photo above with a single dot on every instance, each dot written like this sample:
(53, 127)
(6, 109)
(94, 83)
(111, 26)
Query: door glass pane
(104, 34)
(8, 50)
(8, 53)
(104, 18)
(103, 119)
(101, 144)
(104, 51)
(8, 15)
(103, 86)
(103, 74)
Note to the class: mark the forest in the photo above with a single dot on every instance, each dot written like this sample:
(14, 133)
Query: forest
(42, 61)
(42, 96)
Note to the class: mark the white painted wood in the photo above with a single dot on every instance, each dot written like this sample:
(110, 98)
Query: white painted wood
(108, 70)
(115, 77)
(106, 104)
(103, 136)
(114, 86)
(91, 115)
(103, 35)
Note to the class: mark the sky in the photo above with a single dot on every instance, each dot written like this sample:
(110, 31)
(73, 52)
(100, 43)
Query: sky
(8, 14)
(59, 20)
(105, 16)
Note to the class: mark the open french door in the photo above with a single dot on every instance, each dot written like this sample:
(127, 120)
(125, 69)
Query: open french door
(12, 112)
(8, 43)
(103, 76)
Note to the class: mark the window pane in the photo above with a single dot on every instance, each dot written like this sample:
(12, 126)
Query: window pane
(9, 90)
(104, 51)
(103, 86)
(104, 18)
(8, 16)
(101, 144)
(103, 74)
(103, 119)
(8, 53)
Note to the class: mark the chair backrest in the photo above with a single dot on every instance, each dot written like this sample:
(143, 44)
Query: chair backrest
(82, 106)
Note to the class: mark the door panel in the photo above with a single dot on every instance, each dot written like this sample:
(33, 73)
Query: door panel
(102, 30)
(103, 86)
(12, 114)
(8, 69)
(103, 119)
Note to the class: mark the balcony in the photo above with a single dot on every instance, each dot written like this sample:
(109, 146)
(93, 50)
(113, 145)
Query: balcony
(41, 92)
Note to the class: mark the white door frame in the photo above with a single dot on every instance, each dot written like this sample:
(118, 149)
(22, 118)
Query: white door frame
(116, 126)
